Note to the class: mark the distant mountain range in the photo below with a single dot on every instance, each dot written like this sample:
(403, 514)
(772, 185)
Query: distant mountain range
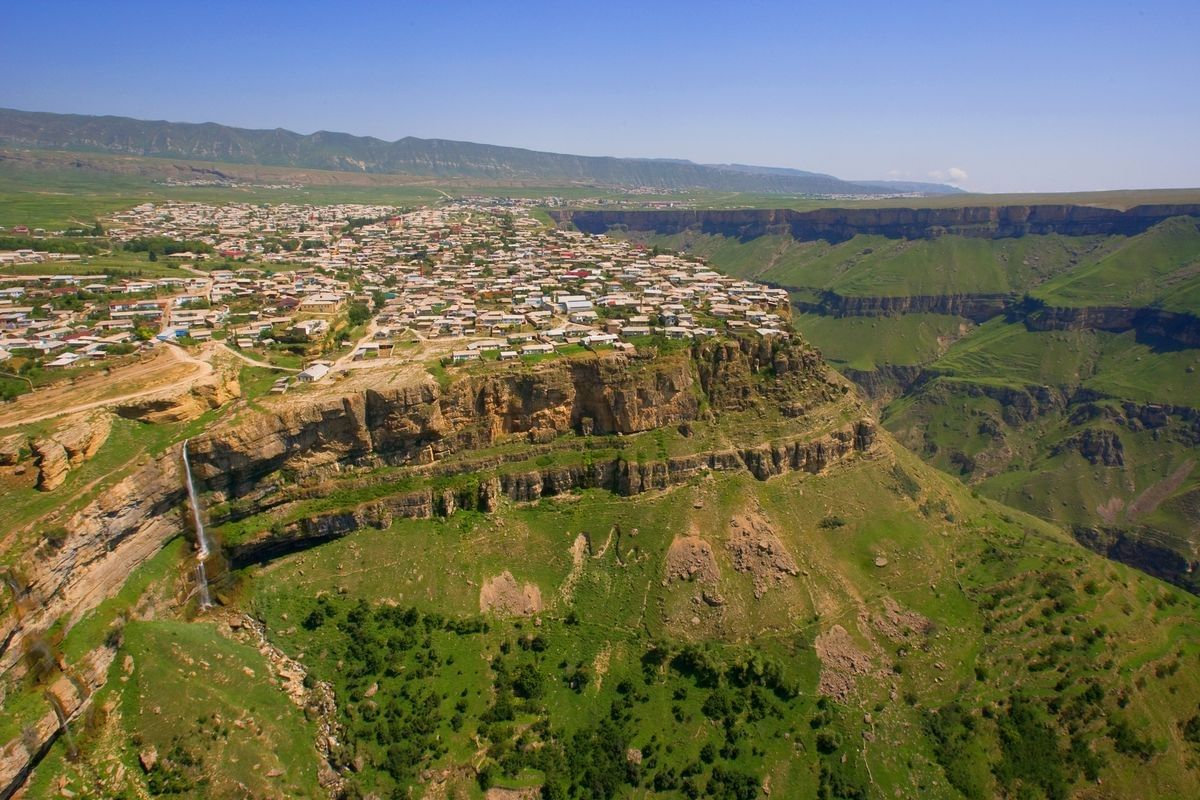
(438, 158)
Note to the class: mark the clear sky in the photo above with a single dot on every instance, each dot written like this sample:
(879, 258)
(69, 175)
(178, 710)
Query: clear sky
(1013, 96)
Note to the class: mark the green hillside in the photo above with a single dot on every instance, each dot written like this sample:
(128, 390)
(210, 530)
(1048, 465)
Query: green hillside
(1160, 267)
(1002, 405)
(902, 637)
(875, 266)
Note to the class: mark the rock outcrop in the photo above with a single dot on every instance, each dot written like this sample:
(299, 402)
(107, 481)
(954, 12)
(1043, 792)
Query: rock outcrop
(72, 443)
(52, 462)
(1182, 329)
(421, 423)
(210, 391)
(620, 476)
(11, 449)
(72, 694)
(1099, 446)
(104, 542)
(975, 307)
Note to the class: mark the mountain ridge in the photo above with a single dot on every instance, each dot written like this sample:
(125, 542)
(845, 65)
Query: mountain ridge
(411, 155)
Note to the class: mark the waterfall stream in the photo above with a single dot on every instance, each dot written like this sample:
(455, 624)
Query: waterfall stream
(201, 535)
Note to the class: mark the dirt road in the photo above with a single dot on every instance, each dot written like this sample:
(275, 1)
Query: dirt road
(170, 369)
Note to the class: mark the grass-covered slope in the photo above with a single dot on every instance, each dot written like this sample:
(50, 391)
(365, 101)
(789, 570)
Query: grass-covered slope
(899, 636)
(861, 627)
(1091, 429)
(1160, 267)
(876, 266)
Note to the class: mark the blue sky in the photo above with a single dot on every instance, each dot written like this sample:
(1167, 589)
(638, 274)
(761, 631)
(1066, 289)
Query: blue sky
(1016, 96)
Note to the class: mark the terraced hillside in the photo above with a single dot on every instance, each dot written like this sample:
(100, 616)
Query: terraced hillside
(690, 572)
(1050, 364)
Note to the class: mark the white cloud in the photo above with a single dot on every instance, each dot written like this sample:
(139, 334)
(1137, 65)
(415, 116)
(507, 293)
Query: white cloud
(956, 175)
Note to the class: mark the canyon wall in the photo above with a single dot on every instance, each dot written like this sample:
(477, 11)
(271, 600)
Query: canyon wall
(841, 224)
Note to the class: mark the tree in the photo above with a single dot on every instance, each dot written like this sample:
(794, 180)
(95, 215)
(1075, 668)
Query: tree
(359, 313)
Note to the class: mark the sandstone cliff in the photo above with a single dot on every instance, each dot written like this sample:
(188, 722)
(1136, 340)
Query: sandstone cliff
(422, 423)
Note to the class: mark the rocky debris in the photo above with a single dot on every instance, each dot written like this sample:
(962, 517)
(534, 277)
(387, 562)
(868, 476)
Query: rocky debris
(10, 449)
(690, 558)
(841, 661)
(496, 793)
(503, 596)
(713, 598)
(757, 550)
(900, 624)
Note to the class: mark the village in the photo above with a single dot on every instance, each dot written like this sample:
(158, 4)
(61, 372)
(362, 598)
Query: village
(321, 290)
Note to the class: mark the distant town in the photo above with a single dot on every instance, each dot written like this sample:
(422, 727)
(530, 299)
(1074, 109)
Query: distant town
(326, 289)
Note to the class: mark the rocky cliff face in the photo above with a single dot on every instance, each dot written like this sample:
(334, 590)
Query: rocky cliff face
(104, 542)
(620, 476)
(418, 425)
(841, 224)
(975, 307)
(210, 391)
(1180, 328)
(422, 423)
(73, 441)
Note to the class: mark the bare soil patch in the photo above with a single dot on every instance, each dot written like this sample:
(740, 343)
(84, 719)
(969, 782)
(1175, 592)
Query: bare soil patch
(1148, 500)
(502, 595)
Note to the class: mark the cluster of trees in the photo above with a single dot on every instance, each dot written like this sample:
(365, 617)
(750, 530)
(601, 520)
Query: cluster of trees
(394, 727)
(52, 245)
(157, 246)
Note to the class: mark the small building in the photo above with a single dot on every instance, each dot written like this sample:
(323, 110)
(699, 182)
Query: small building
(313, 373)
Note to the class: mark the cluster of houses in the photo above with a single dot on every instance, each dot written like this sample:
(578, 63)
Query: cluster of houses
(483, 274)
(504, 283)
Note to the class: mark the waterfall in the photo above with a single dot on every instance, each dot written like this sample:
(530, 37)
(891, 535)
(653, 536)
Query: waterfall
(201, 535)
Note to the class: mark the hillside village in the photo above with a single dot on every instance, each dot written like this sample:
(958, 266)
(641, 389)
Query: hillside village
(320, 288)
